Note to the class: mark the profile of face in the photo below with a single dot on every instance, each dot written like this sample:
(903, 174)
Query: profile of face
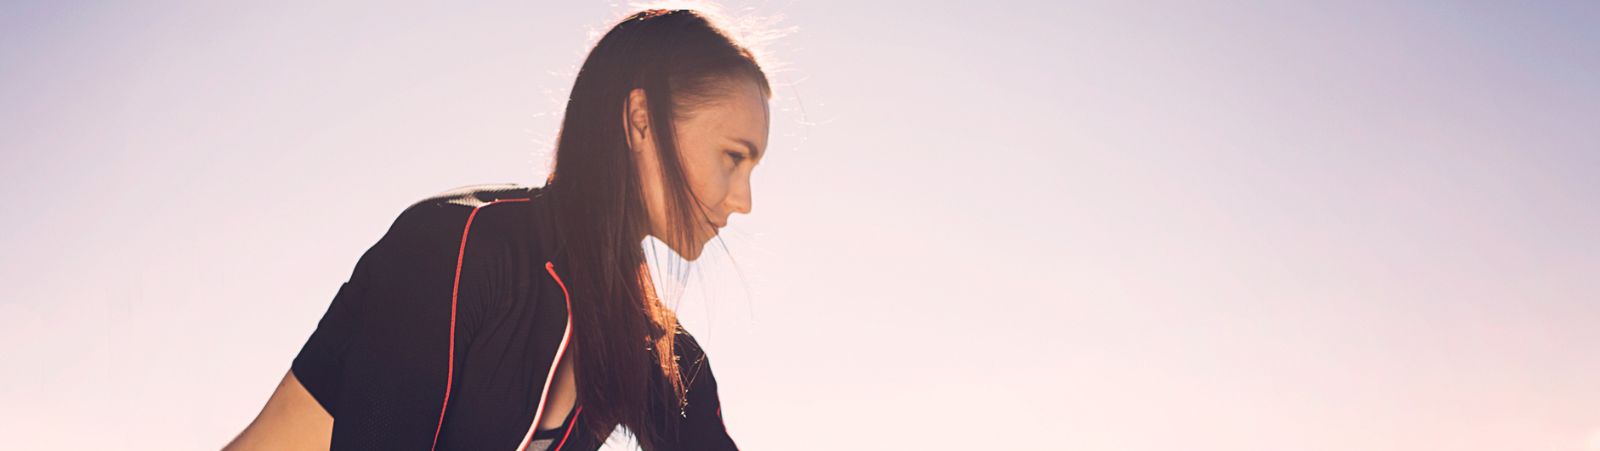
(719, 142)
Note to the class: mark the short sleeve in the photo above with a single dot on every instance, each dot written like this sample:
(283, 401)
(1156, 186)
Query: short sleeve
(319, 364)
(383, 348)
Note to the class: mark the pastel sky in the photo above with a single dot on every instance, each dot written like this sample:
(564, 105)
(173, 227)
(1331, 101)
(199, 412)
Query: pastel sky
(1078, 225)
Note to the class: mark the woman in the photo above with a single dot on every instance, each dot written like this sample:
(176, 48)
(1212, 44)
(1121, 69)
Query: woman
(503, 317)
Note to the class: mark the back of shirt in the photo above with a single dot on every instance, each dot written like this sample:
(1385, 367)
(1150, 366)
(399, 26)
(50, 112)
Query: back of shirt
(442, 317)
(448, 329)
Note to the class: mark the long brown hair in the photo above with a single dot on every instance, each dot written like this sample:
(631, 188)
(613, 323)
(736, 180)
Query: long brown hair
(623, 334)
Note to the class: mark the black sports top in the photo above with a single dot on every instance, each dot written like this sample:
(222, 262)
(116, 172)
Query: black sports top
(447, 334)
(545, 440)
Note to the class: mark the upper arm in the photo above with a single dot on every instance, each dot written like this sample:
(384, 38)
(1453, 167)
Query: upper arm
(383, 347)
(412, 260)
(299, 413)
(291, 420)
(318, 367)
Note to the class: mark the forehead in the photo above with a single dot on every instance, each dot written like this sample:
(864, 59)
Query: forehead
(740, 112)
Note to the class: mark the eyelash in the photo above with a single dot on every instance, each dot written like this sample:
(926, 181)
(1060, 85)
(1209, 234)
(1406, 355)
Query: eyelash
(737, 157)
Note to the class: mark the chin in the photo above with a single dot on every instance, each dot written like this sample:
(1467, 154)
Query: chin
(691, 253)
(694, 253)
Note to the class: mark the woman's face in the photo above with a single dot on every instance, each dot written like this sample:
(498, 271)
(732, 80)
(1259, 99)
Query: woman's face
(719, 142)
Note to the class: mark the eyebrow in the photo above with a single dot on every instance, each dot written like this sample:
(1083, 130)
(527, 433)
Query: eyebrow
(755, 154)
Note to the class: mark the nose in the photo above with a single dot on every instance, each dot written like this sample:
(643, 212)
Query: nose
(739, 197)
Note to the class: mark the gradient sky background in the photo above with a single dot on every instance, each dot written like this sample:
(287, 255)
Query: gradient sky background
(1052, 225)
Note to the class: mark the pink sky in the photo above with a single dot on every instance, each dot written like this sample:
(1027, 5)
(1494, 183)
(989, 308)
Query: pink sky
(1053, 225)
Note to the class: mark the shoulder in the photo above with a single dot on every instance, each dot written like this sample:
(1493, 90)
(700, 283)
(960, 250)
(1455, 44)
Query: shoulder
(701, 416)
(442, 218)
(449, 209)
(685, 345)
(472, 196)
(467, 245)
(472, 231)
(693, 363)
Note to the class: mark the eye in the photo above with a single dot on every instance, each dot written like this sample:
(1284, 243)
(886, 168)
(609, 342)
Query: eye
(737, 157)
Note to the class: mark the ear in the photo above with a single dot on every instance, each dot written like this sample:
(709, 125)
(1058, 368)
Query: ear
(636, 120)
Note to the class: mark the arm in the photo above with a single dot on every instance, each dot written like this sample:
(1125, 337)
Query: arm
(291, 420)
(377, 360)
(294, 418)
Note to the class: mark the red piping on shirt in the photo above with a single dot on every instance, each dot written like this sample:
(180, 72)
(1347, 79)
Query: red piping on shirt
(566, 336)
(570, 426)
(450, 367)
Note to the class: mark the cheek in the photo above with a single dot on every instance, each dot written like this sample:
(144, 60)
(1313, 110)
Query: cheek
(711, 186)
(709, 179)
